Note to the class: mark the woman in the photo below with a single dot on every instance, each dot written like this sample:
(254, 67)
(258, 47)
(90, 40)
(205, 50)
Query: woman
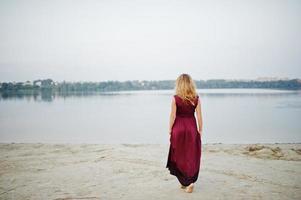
(184, 155)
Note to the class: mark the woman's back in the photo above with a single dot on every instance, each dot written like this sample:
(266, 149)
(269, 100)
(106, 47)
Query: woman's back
(185, 109)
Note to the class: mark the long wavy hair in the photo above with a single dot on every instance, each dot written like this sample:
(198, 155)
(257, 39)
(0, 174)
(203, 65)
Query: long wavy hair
(185, 88)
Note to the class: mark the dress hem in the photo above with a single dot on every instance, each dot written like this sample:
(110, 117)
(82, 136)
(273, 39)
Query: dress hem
(180, 176)
(174, 170)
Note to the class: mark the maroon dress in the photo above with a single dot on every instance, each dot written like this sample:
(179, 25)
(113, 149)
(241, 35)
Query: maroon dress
(184, 157)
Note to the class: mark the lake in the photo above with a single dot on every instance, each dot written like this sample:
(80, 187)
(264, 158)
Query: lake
(229, 115)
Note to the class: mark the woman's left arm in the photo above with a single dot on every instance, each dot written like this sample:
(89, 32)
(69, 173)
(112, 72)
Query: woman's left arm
(172, 115)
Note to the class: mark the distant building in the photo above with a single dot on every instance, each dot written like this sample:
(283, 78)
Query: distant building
(27, 83)
(37, 83)
(271, 79)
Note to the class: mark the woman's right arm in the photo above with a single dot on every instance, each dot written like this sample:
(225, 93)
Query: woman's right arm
(199, 117)
(172, 116)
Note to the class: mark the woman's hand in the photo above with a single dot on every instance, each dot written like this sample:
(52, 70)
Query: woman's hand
(200, 132)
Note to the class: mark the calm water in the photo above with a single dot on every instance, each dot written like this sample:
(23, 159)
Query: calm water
(229, 115)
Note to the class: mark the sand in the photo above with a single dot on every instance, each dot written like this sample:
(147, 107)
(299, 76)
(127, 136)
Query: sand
(129, 171)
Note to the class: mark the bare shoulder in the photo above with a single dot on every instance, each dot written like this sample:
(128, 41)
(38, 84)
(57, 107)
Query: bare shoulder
(198, 101)
(174, 98)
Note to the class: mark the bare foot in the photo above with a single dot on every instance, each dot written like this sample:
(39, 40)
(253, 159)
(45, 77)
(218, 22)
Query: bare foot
(189, 188)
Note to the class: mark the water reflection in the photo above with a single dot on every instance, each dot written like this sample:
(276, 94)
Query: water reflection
(49, 95)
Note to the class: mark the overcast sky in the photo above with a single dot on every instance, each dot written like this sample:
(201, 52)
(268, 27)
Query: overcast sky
(149, 40)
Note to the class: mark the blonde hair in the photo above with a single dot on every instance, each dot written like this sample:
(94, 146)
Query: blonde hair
(185, 88)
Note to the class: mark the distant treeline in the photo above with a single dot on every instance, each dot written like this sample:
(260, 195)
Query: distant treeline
(49, 84)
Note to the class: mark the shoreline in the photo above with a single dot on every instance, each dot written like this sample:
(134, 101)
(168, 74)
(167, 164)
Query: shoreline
(211, 143)
(137, 171)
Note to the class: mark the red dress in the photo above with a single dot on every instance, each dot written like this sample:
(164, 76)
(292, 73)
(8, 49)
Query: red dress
(184, 157)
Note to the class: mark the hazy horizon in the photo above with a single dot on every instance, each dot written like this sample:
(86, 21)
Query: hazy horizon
(234, 79)
(149, 40)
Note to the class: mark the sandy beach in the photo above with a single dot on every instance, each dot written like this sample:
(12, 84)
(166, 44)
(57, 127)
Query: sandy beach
(130, 171)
